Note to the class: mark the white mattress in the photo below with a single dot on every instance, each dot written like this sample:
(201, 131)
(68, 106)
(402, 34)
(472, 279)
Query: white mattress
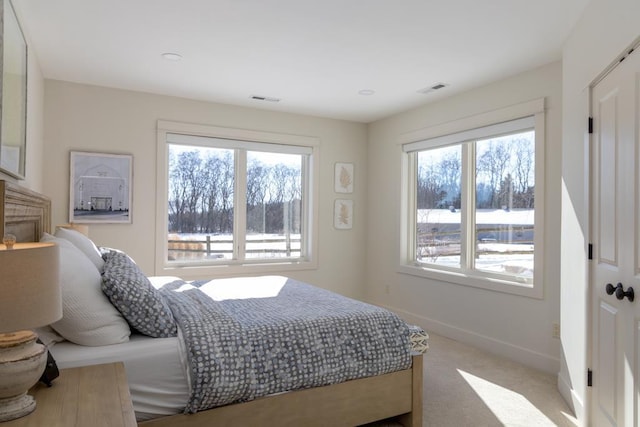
(157, 370)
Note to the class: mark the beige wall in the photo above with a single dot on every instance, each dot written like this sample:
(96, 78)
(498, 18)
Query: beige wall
(90, 118)
(35, 127)
(515, 326)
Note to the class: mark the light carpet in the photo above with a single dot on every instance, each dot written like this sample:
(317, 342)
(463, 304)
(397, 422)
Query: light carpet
(464, 386)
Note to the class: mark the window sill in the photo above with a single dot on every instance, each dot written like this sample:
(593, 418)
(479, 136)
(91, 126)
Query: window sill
(475, 281)
(191, 272)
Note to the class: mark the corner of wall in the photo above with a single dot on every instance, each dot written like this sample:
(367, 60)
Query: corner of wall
(570, 396)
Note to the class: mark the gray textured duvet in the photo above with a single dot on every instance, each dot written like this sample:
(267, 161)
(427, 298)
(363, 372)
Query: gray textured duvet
(286, 335)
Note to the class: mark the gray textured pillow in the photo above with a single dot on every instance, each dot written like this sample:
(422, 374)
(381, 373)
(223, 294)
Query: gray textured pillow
(132, 294)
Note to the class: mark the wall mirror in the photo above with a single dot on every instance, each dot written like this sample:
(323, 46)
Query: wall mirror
(13, 66)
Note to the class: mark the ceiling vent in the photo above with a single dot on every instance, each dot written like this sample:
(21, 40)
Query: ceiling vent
(265, 98)
(433, 88)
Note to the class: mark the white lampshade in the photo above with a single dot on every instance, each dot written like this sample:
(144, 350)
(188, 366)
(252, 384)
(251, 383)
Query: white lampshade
(30, 294)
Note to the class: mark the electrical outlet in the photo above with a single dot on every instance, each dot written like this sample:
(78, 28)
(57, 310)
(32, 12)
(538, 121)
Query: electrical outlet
(386, 289)
(556, 330)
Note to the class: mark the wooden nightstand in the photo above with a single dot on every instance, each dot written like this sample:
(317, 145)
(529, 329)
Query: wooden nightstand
(96, 396)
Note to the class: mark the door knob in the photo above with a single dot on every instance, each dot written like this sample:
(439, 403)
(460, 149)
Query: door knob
(611, 289)
(621, 293)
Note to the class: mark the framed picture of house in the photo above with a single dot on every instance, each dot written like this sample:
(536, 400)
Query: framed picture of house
(100, 188)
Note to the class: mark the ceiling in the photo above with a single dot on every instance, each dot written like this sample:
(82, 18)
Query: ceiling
(315, 56)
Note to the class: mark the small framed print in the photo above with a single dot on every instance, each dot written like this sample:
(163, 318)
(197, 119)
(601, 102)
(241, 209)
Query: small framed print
(343, 179)
(100, 190)
(343, 214)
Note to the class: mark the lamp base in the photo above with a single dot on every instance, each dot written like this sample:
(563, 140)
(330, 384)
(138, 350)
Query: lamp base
(22, 362)
(16, 407)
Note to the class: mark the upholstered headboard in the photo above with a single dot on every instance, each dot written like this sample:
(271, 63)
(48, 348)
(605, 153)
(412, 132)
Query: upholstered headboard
(23, 212)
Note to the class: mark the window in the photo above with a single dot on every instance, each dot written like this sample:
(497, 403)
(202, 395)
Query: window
(243, 200)
(473, 205)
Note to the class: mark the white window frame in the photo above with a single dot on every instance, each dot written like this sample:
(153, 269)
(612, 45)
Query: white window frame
(460, 131)
(193, 134)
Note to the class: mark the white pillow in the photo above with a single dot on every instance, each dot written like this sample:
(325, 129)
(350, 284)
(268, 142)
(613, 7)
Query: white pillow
(88, 318)
(83, 243)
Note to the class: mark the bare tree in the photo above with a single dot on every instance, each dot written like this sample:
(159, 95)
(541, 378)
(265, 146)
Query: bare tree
(429, 190)
(492, 164)
(214, 195)
(201, 192)
(524, 164)
(257, 181)
(186, 190)
(450, 173)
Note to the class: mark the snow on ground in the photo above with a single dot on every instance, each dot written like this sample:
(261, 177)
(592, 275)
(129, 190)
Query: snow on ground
(483, 216)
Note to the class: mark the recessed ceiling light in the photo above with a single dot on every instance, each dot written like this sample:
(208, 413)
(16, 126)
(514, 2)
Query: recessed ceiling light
(172, 56)
(366, 92)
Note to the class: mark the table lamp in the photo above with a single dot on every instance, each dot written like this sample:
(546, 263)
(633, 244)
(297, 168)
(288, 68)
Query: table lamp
(30, 297)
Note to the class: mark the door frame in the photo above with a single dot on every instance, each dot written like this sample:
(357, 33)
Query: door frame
(590, 183)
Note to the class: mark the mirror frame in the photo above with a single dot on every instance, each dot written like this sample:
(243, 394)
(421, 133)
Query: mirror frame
(13, 93)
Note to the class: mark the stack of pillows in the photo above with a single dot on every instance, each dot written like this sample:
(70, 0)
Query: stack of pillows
(105, 296)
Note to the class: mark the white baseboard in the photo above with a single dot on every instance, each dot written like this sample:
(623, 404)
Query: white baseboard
(522, 355)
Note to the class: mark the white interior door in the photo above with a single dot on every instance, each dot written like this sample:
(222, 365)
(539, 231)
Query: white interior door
(615, 236)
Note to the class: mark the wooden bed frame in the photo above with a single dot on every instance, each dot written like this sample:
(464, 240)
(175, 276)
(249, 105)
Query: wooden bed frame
(351, 403)
(27, 214)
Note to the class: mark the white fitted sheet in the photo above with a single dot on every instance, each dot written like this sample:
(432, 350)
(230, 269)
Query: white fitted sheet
(157, 370)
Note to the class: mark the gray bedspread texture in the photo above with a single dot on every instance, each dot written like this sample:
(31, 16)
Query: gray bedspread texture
(241, 349)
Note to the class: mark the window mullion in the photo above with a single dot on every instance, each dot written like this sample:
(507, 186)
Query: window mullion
(305, 232)
(467, 229)
(240, 206)
(412, 248)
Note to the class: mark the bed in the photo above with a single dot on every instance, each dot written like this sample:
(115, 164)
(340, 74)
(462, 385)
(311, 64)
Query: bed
(161, 400)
